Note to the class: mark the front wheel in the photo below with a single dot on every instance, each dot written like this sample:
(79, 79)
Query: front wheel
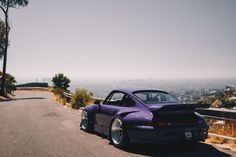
(119, 137)
(85, 123)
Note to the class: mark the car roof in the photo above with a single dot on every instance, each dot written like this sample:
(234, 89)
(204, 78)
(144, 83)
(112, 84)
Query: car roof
(132, 90)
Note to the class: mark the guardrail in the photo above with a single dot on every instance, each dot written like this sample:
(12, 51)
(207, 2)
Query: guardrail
(219, 114)
(70, 95)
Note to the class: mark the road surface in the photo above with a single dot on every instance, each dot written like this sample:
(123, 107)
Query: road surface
(34, 125)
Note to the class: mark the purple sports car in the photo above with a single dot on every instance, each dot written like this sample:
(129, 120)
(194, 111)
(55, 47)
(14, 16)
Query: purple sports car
(144, 116)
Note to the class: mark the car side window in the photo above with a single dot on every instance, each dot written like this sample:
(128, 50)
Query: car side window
(128, 101)
(115, 99)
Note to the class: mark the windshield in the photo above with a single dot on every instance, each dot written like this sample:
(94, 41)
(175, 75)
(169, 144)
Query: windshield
(154, 97)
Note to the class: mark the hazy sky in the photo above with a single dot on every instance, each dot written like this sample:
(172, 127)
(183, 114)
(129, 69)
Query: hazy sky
(124, 39)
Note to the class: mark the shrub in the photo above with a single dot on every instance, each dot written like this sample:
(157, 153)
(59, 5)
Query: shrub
(61, 81)
(10, 83)
(81, 98)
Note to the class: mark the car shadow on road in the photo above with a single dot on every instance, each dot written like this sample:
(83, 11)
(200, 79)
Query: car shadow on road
(198, 149)
(180, 150)
(29, 98)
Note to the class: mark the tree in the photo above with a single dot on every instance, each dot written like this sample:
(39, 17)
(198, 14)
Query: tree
(5, 5)
(2, 37)
(60, 81)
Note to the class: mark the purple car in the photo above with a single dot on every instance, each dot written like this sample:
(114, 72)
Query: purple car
(144, 116)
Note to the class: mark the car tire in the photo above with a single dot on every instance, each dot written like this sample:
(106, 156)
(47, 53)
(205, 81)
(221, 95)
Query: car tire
(118, 134)
(85, 123)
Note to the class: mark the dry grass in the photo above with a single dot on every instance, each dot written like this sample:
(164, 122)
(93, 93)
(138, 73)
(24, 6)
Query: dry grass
(215, 140)
(227, 128)
(61, 100)
(232, 145)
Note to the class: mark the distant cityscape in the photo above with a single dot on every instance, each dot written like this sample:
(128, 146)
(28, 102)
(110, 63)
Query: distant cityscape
(188, 91)
(184, 90)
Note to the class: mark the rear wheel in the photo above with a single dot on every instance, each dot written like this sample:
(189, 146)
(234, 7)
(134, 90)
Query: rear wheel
(118, 135)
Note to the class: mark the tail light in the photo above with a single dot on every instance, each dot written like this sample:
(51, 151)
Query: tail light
(157, 124)
(201, 121)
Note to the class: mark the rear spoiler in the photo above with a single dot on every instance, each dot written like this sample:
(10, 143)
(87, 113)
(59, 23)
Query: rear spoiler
(201, 105)
(178, 107)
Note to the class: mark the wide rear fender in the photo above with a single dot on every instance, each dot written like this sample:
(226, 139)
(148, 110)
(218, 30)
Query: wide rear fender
(136, 118)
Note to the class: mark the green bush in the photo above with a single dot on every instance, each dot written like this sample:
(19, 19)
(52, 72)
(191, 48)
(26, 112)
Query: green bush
(80, 98)
(10, 83)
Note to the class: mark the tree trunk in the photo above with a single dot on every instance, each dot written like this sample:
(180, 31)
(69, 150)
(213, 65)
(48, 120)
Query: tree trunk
(3, 85)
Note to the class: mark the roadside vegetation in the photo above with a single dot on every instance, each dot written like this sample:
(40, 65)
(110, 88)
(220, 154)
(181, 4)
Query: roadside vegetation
(10, 83)
(60, 85)
(10, 87)
(80, 98)
(227, 128)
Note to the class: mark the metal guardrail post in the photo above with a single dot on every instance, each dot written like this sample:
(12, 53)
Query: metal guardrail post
(68, 96)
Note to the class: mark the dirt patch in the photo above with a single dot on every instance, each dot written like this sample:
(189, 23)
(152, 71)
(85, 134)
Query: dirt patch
(222, 143)
(7, 97)
(215, 140)
(3, 98)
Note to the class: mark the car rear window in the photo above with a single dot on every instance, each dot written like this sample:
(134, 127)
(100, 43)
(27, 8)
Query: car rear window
(154, 97)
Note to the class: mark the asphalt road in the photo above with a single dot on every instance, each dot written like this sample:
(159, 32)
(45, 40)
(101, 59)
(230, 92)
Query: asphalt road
(34, 125)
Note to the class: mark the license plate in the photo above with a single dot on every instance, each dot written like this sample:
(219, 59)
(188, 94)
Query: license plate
(188, 135)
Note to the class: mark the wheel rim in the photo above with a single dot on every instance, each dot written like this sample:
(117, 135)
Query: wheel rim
(84, 120)
(116, 131)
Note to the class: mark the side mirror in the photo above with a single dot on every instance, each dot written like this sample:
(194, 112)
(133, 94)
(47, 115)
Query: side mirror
(97, 102)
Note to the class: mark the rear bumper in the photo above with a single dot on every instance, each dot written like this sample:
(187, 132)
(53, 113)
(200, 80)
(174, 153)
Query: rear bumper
(148, 134)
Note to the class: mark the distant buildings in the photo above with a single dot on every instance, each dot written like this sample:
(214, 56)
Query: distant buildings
(233, 98)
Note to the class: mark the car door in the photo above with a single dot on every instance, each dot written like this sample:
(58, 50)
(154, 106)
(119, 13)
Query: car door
(108, 109)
